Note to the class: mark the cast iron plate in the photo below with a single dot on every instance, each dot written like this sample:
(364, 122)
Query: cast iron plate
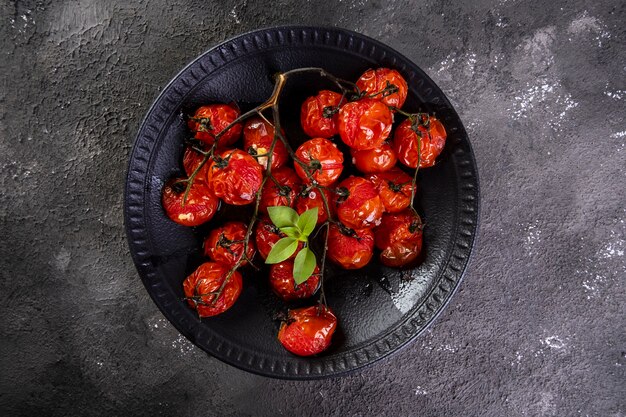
(379, 309)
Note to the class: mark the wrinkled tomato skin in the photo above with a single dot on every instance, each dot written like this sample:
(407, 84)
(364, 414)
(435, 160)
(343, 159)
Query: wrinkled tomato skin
(283, 284)
(258, 136)
(432, 143)
(373, 81)
(220, 116)
(200, 207)
(308, 331)
(327, 154)
(266, 236)
(312, 197)
(399, 245)
(312, 117)
(362, 208)
(374, 160)
(225, 244)
(285, 195)
(208, 278)
(235, 177)
(365, 124)
(350, 252)
(394, 188)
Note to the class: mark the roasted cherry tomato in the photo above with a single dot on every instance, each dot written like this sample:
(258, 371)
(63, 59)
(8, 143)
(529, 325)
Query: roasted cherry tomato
(394, 188)
(281, 191)
(379, 83)
(281, 280)
(308, 330)
(310, 197)
(257, 140)
(191, 160)
(399, 237)
(433, 139)
(207, 279)
(235, 177)
(325, 161)
(365, 124)
(210, 120)
(358, 204)
(266, 236)
(348, 248)
(200, 206)
(374, 160)
(226, 243)
(319, 114)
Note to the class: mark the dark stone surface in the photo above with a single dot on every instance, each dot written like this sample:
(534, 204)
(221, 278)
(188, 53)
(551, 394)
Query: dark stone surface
(538, 326)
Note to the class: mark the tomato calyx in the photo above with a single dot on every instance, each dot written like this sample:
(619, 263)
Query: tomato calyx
(226, 243)
(221, 163)
(204, 123)
(416, 225)
(342, 194)
(329, 111)
(388, 90)
(178, 187)
(346, 231)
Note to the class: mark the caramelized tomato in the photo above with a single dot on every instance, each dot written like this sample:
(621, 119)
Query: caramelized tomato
(433, 139)
(319, 115)
(361, 207)
(200, 206)
(350, 249)
(394, 188)
(364, 124)
(281, 191)
(324, 160)
(283, 284)
(207, 279)
(210, 120)
(399, 237)
(310, 197)
(226, 244)
(266, 236)
(374, 160)
(377, 82)
(258, 136)
(308, 331)
(235, 177)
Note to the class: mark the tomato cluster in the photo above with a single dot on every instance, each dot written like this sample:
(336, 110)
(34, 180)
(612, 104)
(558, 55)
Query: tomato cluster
(364, 202)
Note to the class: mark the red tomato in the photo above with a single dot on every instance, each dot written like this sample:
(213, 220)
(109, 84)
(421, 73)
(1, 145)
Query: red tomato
(394, 188)
(283, 193)
(308, 330)
(281, 280)
(361, 208)
(226, 243)
(365, 124)
(350, 249)
(207, 279)
(266, 236)
(433, 140)
(375, 81)
(210, 120)
(318, 114)
(399, 237)
(258, 136)
(191, 160)
(235, 177)
(311, 197)
(323, 158)
(200, 206)
(374, 160)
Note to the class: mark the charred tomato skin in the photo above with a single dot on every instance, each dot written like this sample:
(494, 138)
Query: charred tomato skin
(200, 206)
(394, 188)
(362, 208)
(311, 197)
(266, 235)
(258, 136)
(364, 124)
(312, 118)
(283, 284)
(350, 251)
(225, 244)
(280, 195)
(308, 331)
(375, 80)
(208, 278)
(374, 160)
(235, 177)
(399, 238)
(432, 142)
(218, 117)
(323, 152)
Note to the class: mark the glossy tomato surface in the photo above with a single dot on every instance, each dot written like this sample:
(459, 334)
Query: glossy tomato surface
(235, 177)
(310, 197)
(374, 160)
(210, 120)
(207, 279)
(324, 160)
(365, 124)
(399, 237)
(319, 114)
(350, 249)
(266, 236)
(225, 244)
(283, 284)
(377, 82)
(361, 207)
(394, 188)
(432, 142)
(281, 190)
(308, 331)
(258, 136)
(200, 206)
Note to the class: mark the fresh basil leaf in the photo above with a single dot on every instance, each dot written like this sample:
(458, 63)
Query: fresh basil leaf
(291, 231)
(303, 265)
(283, 216)
(282, 250)
(307, 221)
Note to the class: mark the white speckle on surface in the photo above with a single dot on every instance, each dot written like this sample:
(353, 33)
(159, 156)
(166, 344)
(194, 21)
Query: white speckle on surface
(233, 14)
(183, 345)
(420, 391)
(617, 95)
(553, 342)
(518, 358)
(62, 259)
(618, 135)
(585, 24)
(533, 237)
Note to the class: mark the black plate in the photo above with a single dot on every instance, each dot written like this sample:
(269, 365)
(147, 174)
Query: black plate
(379, 309)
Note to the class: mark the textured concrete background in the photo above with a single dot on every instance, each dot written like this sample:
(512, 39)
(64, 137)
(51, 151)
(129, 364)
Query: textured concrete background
(538, 326)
